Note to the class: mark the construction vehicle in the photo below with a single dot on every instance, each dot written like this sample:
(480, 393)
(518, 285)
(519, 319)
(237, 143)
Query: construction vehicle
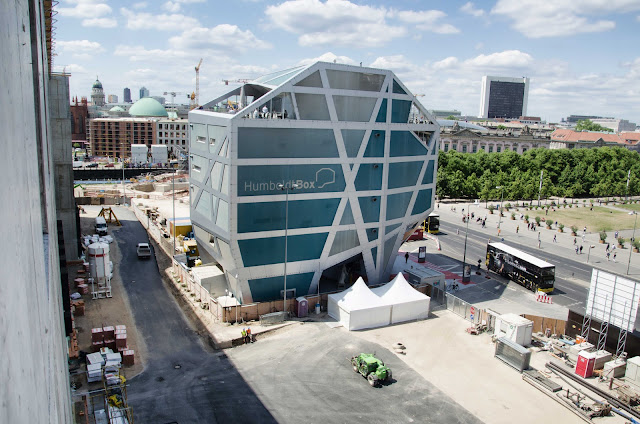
(372, 368)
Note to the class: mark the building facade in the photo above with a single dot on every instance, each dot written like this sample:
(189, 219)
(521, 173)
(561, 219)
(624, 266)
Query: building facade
(112, 98)
(467, 141)
(144, 92)
(79, 119)
(174, 133)
(126, 94)
(503, 97)
(617, 125)
(570, 139)
(97, 94)
(324, 160)
(113, 137)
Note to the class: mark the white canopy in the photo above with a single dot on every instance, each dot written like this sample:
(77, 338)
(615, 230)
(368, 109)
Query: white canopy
(358, 307)
(408, 304)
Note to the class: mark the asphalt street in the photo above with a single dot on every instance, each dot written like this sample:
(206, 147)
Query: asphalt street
(184, 380)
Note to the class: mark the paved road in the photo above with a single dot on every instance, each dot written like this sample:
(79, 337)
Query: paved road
(184, 381)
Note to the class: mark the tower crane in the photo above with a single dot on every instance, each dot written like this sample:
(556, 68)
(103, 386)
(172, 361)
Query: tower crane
(241, 81)
(197, 99)
(172, 94)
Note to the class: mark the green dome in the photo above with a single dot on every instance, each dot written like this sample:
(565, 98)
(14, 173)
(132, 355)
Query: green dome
(97, 84)
(116, 109)
(147, 107)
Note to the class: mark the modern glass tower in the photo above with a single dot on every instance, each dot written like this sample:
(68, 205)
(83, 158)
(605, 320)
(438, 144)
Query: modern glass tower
(341, 160)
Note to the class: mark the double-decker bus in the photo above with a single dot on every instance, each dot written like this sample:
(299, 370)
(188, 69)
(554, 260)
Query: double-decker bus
(523, 268)
(432, 223)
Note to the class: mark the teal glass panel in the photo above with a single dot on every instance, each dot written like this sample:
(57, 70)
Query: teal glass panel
(397, 205)
(312, 80)
(279, 73)
(423, 202)
(264, 179)
(428, 174)
(434, 150)
(266, 289)
(270, 250)
(346, 80)
(352, 141)
(390, 228)
(404, 143)
(343, 241)
(397, 89)
(372, 234)
(400, 111)
(222, 218)
(382, 113)
(312, 106)
(269, 216)
(224, 188)
(354, 109)
(258, 143)
(404, 174)
(370, 208)
(347, 215)
(282, 78)
(374, 253)
(369, 177)
(216, 175)
(389, 252)
(375, 147)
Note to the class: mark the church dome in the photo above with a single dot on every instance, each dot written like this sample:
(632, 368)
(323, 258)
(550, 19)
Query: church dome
(147, 107)
(97, 84)
(116, 109)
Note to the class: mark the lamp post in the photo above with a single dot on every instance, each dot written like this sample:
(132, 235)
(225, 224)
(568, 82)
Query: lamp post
(589, 253)
(124, 193)
(466, 277)
(173, 204)
(501, 200)
(633, 237)
(286, 187)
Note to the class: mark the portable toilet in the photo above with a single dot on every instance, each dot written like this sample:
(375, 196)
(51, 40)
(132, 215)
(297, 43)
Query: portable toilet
(585, 363)
(302, 307)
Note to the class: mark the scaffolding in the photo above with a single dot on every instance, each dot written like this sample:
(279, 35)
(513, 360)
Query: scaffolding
(108, 405)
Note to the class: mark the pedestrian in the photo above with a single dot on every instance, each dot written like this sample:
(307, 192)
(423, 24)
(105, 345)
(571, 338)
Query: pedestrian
(584, 230)
(539, 244)
(406, 257)
(249, 335)
(479, 262)
(554, 238)
(607, 249)
(538, 236)
(608, 254)
(576, 250)
(517, 229)
(575, 241)
(499, 232)
(583, 237)
(614, 256)
(581, 249)
(616, 235)
(244, 335)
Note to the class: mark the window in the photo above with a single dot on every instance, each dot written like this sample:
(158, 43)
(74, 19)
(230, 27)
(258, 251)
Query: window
(498, 149)
(464, 148)
(474, 149)
(490, 149)
(446, 147)
(454, 147)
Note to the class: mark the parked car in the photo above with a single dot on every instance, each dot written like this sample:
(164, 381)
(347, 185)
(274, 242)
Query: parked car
(144, 251)
(91, 165)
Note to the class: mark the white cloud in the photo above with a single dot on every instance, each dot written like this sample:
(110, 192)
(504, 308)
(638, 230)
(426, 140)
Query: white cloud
(447, 63)
(172, 7)
(329, 57)
(70, 69)
(562, 17)
(219, 38)
(479, 45)
(334, 22)
(85, 9)
(79, 47)
(427, 20)
(470, 9)
(140, 5)
(100, 23)
(505, 59)
(165, 22)
(397, 63)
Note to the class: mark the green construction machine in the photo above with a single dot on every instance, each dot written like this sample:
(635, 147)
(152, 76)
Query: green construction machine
(373, 369)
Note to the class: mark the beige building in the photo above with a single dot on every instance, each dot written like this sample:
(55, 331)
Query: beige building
(174, 133)
(113, 137)
(493, 141)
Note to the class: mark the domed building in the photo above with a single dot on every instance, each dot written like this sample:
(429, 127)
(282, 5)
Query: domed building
(148, 107)
(97, 93)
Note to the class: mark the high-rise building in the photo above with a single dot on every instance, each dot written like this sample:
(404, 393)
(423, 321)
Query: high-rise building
(336, 162)
(503, 97)
(97, 93)
(112, 98)
(144, 92)
(127, 95)
(79, 118)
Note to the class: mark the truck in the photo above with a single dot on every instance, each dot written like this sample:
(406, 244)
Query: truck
(101, 226)
(144, 251)
(371, 368)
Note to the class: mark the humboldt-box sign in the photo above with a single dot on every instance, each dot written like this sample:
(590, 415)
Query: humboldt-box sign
(267, 179)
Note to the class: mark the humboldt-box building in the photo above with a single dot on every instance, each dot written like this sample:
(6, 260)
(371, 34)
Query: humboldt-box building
(338, 161)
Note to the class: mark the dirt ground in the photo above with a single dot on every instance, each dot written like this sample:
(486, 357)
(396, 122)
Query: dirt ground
(106, 312)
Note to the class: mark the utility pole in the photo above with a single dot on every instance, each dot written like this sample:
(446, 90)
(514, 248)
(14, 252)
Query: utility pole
(540, 188)
(628, 178)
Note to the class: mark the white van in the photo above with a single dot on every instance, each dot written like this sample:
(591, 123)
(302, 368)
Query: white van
(101, 226)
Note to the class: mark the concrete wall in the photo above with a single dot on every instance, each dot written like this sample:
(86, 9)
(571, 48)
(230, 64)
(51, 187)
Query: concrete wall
(60, 122)
(35, 385)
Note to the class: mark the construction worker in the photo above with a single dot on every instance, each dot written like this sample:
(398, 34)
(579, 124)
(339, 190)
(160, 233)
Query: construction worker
(249, 335)
(244, 335)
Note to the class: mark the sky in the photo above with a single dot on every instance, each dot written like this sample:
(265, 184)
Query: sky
(582, 56)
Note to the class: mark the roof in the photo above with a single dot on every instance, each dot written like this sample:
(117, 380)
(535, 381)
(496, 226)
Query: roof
(116, 109)
(630, 137)
(584, 136)
(399, 291)
(148, 107)
(358, 296)
(522, 255)
(97, 84)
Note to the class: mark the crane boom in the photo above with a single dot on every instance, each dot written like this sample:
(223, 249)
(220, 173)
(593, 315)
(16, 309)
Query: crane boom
(198, 83)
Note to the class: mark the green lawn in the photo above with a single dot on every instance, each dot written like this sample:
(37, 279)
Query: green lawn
(596, 220)
(631, 207)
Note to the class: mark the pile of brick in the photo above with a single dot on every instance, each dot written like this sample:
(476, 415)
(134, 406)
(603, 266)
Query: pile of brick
(115, 338)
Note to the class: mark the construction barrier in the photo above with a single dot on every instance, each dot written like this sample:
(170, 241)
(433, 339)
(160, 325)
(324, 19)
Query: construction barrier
(543, 298)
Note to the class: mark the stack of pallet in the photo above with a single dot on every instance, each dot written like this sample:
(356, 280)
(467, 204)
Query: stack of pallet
(109, 337)
(121, 337)
(78, 307)
(97, 339)
(127, 357)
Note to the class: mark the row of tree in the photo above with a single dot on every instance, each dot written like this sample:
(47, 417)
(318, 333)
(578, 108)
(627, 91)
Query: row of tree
(567, 173)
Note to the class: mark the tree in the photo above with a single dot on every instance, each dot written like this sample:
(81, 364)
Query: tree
(588, 125)
(451, 118)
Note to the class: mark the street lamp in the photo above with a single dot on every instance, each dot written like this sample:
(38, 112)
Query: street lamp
(173, 204)
(501, 199)
(589, 253)
(124, 193)
(466, 277)
(286, 187)
(633, 237)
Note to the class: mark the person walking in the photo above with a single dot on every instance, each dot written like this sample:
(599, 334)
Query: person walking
(539, 244)
(614, 256)
(538, 236)
(608, 246)
(581, 249)
(608, 254)
(616, 235)
(575, 241)
(555, 240)
(576, 250)
(406, 257)
(517, 229)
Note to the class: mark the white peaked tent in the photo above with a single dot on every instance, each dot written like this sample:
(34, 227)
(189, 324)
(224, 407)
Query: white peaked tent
(358, 308)
(408, 304)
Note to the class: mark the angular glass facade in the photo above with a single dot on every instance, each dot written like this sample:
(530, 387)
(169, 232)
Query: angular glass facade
(329, 154)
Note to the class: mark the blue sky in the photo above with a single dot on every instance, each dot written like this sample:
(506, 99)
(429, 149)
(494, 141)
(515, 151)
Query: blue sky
(582, 56)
